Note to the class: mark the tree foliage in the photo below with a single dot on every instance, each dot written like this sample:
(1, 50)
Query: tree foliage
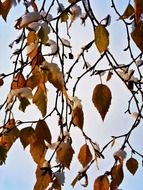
(45, 62)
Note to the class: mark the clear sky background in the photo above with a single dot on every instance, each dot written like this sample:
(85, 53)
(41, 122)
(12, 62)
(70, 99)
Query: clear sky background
(18, 172)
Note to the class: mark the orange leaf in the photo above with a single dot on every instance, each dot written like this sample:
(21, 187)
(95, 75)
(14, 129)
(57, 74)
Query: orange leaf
(101, 38)
(27, 136)
(42, 131)
(5, 8)
(101, 183)
(40, 99)
(78, 117)
(31, 37)
(18, 81)
(102, 99)
(132, 165)
(64, 154)
(84, 155)
(42, 180)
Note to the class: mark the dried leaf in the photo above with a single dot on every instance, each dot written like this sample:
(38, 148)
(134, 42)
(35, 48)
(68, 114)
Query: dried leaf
(101, 38)
(128, 12)
(3, 154)
(64, 16)
(24, 102)
(109, 76)
(18, 81)
(78, 117)
(1, 82)
(101, 183)
(5, 8)
(42, 180)
(64, 154)
(102, 99)
(42, 131)
(27, 136)
(33, 80)
(43, 35)
(132, 165)
(84, 155)
(40, 99)
(138, 6)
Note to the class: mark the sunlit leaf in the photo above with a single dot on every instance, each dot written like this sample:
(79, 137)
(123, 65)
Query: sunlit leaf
(64, 154)
(40, 99)
(27, 136)
(101, 183)
(42, 181)
(42, 131)
(84, 155)
(132, 165)
(128, 12)
(101, 38)
(102, 99)
(5, 7)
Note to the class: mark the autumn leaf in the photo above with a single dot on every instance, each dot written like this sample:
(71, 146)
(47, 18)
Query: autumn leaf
(33, 80)
(24, 102)
(27, 136)
(43, 35)
(101, 38)
(101, 183)
(40, 99)
(84, 155)
(18, 81)
(138, 6)
(38, 151)
(5, 8)
(42, 131)
(3, 154)
(64, 16)
(42, 181)
(102, 99)
(1, 82)
(64, 154)
(128, 12)
(132, 165)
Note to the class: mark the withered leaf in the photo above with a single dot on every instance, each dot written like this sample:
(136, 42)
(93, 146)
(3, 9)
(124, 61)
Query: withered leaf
(78, 117)
(18, 81)
(102, 99)
(33, 80)
(84, 155)
(101, 183)
(5, 8)
(128, 12)
(64, 154)
(42, 131)
(132, 165)
(138, 6)
(101, 38)
(3, 154)
(24, 102)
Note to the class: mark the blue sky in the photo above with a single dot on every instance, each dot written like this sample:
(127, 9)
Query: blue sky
(18, 173)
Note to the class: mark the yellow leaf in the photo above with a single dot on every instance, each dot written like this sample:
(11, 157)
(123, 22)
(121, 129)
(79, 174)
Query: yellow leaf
(101, 38)
(102, 99)
(117, 176)
(38, 151)
(137, 35)
(64, 16)
(42, 131)
(132, 165)
(40, 99)
(84, 155)
(42, 181)
(78, 117)
(128, 12)
(101, 183)
(27, 136)
(5, 8)
(64, 154)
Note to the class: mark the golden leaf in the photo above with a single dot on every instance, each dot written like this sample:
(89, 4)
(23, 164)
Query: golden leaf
(40, 99)
(38, 151)
(64, 16)
(78, 117)
(42, 180)
(18, 81)
(84, 155)
(102, 99)
(5, 8)
(42, 131)
(132, 165)
(117, 176)
(27, 136)
(128, 12)
(64, 154)
(101, 183)
(101, 38)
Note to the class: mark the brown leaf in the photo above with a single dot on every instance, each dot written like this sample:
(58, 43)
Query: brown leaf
(38, 151)
(78, 117)
(101, 38)
(101, 183)
(27, 136)
(128, 12)
(42, 131)
(40, 99)
(33, 80)
(117, 176)
(5, 8)
(102, 99)
(1, 82)
(31, 37)
(84, 155)
(42, 181)
(109, 76)
(64, 154)
(138, 5)
(18, 81)
(132, 165)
